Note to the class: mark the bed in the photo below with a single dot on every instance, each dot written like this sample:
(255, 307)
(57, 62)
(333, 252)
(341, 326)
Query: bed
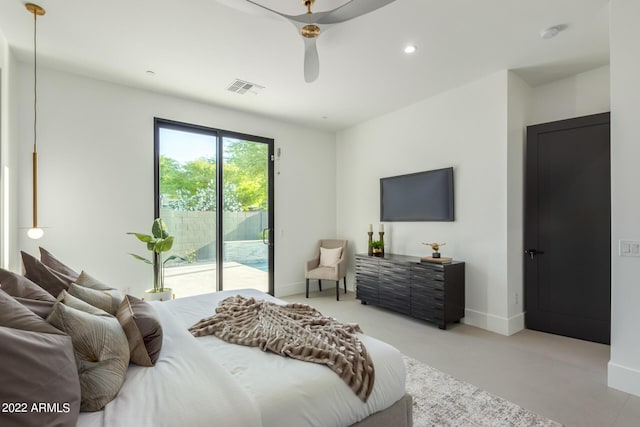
(205, 381)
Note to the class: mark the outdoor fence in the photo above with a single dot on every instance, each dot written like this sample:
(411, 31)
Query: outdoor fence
(195, 233)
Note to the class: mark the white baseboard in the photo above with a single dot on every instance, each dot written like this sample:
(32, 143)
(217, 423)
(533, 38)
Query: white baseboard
(493, 323)
(623, 378)
(516, 323)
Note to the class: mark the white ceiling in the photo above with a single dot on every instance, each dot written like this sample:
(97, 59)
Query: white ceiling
(198, 47)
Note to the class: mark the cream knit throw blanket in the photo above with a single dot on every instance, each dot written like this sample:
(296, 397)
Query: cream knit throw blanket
(295, 330)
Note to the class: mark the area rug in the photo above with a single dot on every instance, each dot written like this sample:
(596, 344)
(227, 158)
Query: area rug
(441, 400)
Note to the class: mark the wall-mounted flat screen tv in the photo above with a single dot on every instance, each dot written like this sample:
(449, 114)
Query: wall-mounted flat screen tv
(422, 196)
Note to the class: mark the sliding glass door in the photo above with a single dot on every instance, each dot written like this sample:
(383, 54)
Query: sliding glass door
(214, 189)
(245, 213)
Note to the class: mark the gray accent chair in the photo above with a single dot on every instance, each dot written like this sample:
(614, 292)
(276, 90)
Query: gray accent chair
(313, 270)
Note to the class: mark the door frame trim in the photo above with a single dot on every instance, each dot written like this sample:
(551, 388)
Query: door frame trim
(219, 134)
(530, 227)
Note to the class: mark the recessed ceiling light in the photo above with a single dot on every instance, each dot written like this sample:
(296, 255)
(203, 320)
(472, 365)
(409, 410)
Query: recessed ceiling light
(410, 49)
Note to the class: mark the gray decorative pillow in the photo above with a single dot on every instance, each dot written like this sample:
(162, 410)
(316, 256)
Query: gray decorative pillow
(90, 282)
(101, 350)
(52, 262)
(47, 278)
(19, 286)
(69, 300)
(143, 329)
(99, 299)
(41, 308)
(38, 365)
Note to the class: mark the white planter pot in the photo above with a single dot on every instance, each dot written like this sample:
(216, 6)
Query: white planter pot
(149, 295)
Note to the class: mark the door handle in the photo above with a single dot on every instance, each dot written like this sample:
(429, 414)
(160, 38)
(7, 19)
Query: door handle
(533, 252)
(267, 240)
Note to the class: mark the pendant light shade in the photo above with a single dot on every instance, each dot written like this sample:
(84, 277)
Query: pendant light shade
(35, 232)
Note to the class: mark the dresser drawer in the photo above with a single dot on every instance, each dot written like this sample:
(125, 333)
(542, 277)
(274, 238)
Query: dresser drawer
(427, 294)
(367, 294)
(395, 288)
(364, 274)
(419, 272)
(366, 265)
(395, 302)
(369, 284)
(389, 270)
(423, 266)
(367, 260)
(429, 303)
(429, 286)
(434, 316)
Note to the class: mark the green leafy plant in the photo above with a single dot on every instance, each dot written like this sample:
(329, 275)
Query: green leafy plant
(190, 255)
(157, 242)
(377, 244)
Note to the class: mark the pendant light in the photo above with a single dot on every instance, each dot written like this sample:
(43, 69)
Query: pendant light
(35, 232)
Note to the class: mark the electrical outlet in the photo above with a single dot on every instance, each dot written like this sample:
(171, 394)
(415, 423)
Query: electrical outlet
(517, 298)
(629, 248)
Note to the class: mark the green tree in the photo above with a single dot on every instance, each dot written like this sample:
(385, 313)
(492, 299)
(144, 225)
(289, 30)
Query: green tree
(192, 186)
(199, 173)
(246, 167)
(171, 175)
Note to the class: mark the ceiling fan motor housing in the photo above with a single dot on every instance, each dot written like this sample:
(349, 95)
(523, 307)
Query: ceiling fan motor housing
(310, 31)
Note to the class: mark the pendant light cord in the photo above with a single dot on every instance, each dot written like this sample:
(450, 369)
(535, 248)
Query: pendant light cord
(35, 232)
(35, 82)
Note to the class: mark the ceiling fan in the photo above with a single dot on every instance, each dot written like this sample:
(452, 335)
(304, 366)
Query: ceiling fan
(311, 24)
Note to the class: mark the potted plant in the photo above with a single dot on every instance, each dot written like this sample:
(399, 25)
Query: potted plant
(377, 246)
(158, 242)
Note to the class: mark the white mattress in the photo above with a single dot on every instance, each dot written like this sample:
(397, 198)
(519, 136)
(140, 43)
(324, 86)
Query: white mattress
(206, 381)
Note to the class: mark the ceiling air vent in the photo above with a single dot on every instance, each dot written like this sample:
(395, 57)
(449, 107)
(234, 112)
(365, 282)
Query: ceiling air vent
(241, 87)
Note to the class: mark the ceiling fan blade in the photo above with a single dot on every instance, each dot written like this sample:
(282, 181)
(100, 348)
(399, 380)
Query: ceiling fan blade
(350, 10)
(261, 7)
(251, 6)
(311, 60)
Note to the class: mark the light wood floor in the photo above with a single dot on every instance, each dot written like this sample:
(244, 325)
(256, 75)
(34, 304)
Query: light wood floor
(562, 378)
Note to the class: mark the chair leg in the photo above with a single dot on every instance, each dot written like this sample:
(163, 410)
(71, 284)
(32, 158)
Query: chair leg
(337, 290)
(307, 288)
(345, 284)
(320, 284)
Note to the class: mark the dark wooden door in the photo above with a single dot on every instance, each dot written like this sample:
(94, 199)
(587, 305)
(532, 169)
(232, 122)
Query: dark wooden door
(568, 228)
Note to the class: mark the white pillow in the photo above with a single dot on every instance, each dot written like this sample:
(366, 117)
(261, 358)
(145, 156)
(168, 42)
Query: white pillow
(329, 257)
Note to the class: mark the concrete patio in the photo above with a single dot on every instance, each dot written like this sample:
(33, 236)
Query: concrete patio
(199, 279)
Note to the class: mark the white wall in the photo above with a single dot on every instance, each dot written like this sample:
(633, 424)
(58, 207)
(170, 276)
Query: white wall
(519, 106)
(465, 128)
(95, 144)
(579, 95)
(9, 95)
(624, 366)
(4, 138)
(480, 130)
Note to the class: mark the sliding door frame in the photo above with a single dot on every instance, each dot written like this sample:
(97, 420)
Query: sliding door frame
(219, 135)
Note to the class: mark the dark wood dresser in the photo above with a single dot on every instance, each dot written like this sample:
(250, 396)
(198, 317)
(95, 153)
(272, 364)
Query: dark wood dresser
(429, 291)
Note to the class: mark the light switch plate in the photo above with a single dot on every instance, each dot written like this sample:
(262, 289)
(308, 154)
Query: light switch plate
(629, 248)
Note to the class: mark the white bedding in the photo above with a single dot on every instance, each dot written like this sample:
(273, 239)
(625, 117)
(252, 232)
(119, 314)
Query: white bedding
(206, 381)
